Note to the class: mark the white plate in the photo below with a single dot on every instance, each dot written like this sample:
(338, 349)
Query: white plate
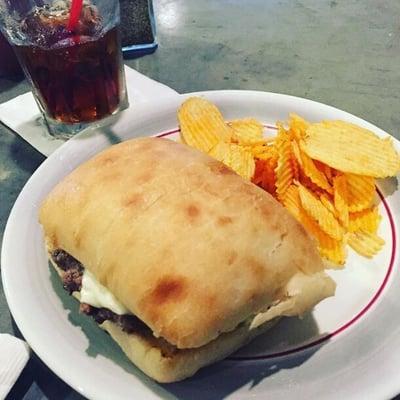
(348, 347)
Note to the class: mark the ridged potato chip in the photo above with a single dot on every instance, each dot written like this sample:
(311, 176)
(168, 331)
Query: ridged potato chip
(291, 201)
(360, 191)
(235, 157)
(367, 220)
(247, 131)
(263, 152)
(269, 177)
(258, 149)
(222, 152)
(202, 125)
(327, 202)
(350, 148)
(296, 152)
(366, 244)
(340, 199)
(297, 126)
(326, 170)
(309, 184)
(258, 172)
(312, 172)
(264, 175)
(242, 162)
(333, 250)
(323, 216)
(295, 167)
(284, 172)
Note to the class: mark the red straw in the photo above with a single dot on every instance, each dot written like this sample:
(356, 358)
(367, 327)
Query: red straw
(74, 14)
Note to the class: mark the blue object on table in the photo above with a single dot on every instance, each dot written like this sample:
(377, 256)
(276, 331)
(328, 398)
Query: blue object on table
(138, 28)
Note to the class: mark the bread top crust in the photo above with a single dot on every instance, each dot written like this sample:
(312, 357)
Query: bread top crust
(181, 240)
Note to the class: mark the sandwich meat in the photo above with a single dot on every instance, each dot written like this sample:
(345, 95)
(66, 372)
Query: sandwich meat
(176, 256)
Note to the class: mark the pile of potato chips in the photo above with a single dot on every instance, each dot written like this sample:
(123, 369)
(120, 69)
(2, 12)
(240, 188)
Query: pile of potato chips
(323, 173)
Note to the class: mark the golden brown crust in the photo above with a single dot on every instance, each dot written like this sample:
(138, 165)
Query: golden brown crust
(182, 241)
(183, 363)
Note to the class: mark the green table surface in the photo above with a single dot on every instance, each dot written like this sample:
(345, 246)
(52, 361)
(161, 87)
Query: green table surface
(345, 53)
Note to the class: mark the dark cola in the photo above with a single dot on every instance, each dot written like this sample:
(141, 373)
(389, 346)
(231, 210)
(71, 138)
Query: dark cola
(77, 76)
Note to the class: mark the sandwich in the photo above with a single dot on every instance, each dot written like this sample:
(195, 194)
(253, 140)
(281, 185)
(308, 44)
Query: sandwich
(176, 256)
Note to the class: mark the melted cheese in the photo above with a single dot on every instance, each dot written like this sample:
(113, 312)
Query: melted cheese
(97, 295)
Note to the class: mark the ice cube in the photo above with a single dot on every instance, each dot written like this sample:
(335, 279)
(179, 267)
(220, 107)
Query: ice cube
(47, 26)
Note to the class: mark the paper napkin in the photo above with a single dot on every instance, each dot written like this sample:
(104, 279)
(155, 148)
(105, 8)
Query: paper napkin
(14, 354)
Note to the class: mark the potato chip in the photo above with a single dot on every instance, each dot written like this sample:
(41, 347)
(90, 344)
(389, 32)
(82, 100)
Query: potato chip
(323, 216)
(312, 172)
(366, 244)
(222, 152)
(307, 182)
(292, 202)
(367, 220)
(297, 126)
(350, 148)
(258, 172)
(326, 170)
(327, 202)
(263, 152)
(235, 157)
(361, 191)
(340, 199)
(264, 175)
(333, 250)
(284, 172)
(242, 162)
(269, 176)
(295, 167)
(247, 131)
(296, 152)
(258, 149)
(329, 248)
(202, 125)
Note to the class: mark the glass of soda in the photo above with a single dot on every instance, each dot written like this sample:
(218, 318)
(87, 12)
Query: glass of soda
(76, 74)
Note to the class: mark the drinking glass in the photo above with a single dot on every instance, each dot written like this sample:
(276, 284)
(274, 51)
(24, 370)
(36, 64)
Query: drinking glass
(76, 71)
